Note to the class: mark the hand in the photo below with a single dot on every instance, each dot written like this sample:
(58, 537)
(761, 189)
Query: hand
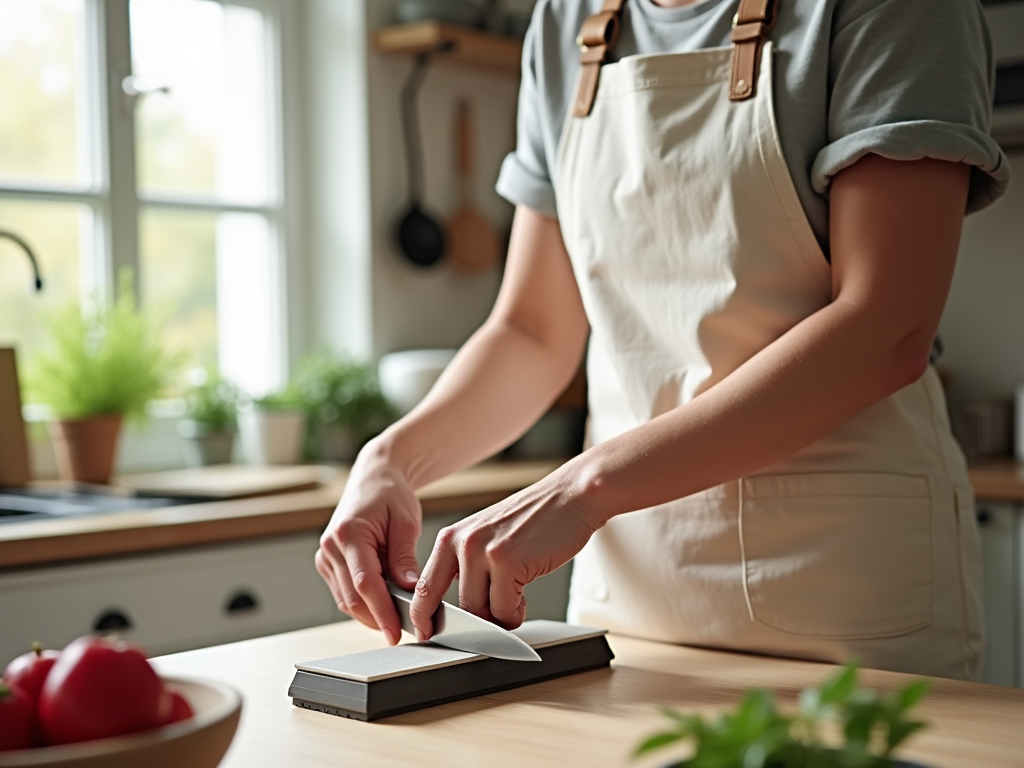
(372, 533)
(498, 551)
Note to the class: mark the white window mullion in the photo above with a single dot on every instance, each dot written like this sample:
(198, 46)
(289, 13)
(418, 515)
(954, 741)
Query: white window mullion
(121, 220)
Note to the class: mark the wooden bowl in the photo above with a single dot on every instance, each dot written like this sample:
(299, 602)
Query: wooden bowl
(199, 742)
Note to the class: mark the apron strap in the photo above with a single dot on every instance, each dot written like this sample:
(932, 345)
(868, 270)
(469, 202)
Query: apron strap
(749, 26)
(597, 37)
(601, 31)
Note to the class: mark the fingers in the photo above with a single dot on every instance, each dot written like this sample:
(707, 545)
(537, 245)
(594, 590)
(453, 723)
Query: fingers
(437, 576)
(367, 579)
(323, 567)
(508, 603)
(332, 566)
(402, 565)
(474, 575)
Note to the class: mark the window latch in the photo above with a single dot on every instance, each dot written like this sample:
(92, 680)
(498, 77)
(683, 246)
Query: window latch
(133, 88)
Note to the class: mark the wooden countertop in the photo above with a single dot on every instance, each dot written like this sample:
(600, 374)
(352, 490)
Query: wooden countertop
(595, 718)
(125, 533)
(998, 481)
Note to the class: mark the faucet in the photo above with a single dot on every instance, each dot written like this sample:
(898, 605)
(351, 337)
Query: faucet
(28, 252)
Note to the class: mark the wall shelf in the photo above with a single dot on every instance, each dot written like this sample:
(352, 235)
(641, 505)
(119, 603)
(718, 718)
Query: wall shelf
(462, 46)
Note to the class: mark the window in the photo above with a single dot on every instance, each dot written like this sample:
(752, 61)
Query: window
(146, 133)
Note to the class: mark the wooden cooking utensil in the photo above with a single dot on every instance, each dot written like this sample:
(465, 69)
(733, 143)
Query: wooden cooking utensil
(474, 245)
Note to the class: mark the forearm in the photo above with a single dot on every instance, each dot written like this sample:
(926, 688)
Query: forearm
(895, 227)
(500, 383)
(508, 373)
(800, 388)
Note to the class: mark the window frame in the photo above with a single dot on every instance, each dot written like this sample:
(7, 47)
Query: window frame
(113, 196)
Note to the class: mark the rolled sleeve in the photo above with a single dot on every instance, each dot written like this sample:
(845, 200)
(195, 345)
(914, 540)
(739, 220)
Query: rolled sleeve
(912, 79)
(520, 186)
(915, 140)
(525, 178)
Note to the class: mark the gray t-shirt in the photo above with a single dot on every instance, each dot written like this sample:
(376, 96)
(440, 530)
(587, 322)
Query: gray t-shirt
(905, 79)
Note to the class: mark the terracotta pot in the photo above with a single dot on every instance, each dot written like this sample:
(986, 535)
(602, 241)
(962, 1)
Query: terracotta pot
(85, 448)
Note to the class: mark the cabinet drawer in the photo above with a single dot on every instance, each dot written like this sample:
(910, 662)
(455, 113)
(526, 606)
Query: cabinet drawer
(170, 602)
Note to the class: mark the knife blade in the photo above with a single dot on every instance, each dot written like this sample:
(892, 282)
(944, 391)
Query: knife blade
(462, 631)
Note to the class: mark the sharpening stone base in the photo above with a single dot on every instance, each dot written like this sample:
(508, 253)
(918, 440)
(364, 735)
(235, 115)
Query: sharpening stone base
(476, 676)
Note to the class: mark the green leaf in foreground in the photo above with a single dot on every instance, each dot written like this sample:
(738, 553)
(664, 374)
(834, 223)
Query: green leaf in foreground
(756, 735)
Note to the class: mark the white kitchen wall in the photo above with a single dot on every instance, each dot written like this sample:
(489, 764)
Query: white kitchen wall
(983, 326)
(364, 297)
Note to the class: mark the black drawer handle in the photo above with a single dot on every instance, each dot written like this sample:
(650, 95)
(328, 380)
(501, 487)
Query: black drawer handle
(112, 620)
(983, 516)
(242, 602)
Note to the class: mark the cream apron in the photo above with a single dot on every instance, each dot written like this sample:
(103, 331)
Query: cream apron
(692, 253)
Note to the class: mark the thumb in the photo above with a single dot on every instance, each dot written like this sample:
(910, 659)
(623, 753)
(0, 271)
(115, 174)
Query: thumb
(402, 566)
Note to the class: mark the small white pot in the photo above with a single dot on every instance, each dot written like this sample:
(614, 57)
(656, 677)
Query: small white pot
(271, 436)
(406, 377)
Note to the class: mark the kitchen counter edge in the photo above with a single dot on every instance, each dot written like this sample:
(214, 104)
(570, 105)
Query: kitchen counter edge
(49, 542)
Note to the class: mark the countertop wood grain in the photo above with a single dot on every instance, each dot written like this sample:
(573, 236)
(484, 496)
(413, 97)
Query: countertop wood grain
(591, 719)
(125, 533)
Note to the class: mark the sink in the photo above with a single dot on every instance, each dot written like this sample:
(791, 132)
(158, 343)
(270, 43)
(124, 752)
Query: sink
(20, 504)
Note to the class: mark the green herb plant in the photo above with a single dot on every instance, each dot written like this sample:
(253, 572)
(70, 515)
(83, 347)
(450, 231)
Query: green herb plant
(756, 735)
(288, 399)
(214, 402)
(342, 392)
(106, 358)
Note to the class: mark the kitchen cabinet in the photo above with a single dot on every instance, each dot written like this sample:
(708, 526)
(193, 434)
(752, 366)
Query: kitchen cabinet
(1001, 526)
(171, 601)
(183, 577)
(198, 596)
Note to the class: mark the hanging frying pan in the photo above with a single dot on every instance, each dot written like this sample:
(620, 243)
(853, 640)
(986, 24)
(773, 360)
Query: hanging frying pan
(420, 237)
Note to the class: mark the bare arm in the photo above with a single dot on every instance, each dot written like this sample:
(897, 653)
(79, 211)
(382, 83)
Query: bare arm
(503, 378)
(895, 229)
(509, 372)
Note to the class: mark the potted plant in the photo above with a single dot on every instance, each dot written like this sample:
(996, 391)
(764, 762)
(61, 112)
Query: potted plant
(107, 361)
(208, 429)
(271, 428)
(343, 403)
(756, 735)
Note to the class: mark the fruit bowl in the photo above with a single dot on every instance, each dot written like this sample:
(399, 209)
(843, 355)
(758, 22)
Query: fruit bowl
(199, 742)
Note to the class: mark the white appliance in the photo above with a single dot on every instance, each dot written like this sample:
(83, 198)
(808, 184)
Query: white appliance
(1006, 24)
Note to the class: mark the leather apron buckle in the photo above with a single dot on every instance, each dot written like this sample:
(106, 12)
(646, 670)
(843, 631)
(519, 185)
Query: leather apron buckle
(600, 32)
(750, 26)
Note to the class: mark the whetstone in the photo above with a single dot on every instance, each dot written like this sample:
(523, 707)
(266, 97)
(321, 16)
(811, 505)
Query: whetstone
(403, 678)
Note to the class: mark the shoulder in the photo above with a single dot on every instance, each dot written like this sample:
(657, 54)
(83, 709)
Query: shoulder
(896, 19)
(549, 51)
(916, 19)
(559, 20)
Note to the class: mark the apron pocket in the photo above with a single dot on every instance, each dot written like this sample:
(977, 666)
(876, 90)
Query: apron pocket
(841, 555)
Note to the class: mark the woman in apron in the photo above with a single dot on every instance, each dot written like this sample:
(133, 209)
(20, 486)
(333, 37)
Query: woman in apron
(747, 214)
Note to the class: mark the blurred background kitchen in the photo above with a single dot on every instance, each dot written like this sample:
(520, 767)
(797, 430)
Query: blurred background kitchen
(248, 162)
